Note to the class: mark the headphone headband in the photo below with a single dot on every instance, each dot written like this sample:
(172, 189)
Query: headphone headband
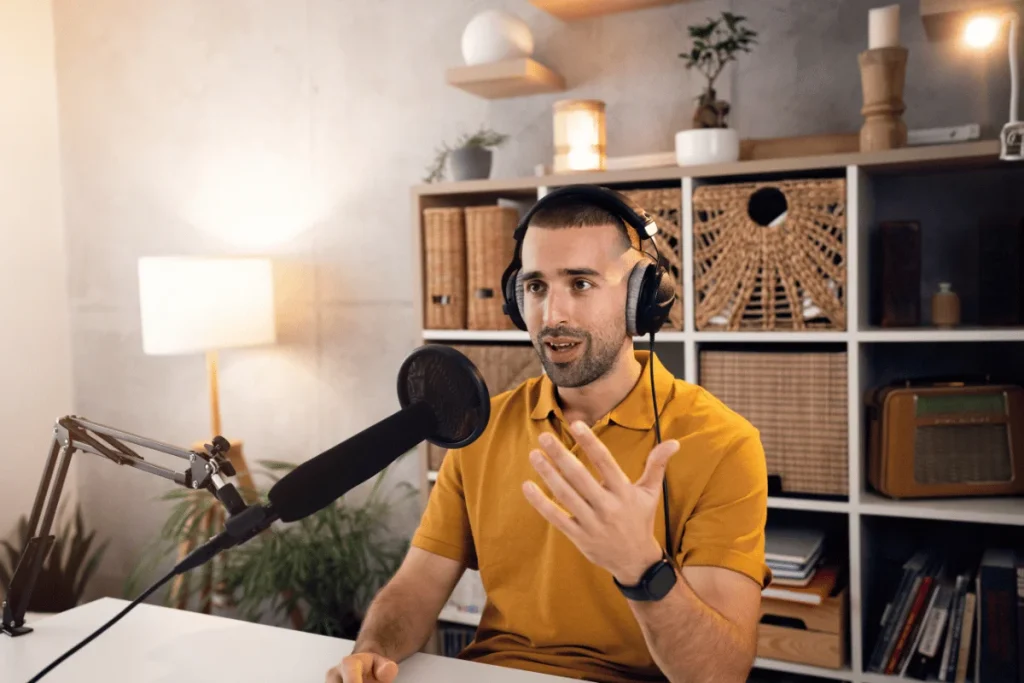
(611, 201)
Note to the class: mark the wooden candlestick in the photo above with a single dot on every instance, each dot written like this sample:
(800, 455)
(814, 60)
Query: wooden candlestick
(883, 75)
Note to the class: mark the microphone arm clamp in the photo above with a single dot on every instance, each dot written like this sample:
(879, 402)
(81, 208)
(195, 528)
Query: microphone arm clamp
(206, 470)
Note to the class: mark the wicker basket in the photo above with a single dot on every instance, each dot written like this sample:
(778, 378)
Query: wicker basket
(798, 401)
(665, 205)
(503, 368)
(444, 247)
(788, 275)
(489, 248)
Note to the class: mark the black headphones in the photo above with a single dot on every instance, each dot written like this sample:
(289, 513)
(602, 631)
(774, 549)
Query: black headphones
(650, 293)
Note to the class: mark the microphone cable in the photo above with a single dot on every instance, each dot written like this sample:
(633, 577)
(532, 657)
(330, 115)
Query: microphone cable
(98, 632)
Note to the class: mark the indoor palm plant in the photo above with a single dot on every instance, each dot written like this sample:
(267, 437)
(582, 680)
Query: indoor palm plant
(715, 43)
(321, 571)
(66, 571)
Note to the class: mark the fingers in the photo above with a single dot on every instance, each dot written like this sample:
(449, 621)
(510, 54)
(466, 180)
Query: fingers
(352, 669)
(549, 511)
(385, 670)
(657, 462)
(614, 478)
(574, 471)
(334, 675)
(565, 494)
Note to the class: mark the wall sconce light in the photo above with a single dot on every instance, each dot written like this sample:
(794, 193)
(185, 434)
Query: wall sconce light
(579, 136)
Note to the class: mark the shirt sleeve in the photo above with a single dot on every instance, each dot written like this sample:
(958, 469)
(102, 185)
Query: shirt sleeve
(444, 528)
(727, 526)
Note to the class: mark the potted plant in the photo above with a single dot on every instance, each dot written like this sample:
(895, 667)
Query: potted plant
(468, 159)
(715, 43)
(320, 572)
(66, 571)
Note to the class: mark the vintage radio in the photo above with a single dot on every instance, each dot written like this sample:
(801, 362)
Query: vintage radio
(946, 439)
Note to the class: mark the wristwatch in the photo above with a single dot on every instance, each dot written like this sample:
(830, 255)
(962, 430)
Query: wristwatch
(654, 584)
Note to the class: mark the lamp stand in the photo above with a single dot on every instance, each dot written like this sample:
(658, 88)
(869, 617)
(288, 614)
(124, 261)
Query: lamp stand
(1012, 136)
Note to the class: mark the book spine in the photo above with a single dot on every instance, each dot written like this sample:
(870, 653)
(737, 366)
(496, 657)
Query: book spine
(997, 620)
(967, 629)
(913, 616)
(884, 632)
(1020, 618)
(955, 614)
(899, 619)
(911, 653)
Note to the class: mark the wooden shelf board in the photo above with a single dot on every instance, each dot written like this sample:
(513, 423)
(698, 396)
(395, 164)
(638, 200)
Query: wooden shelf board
(509, 78)
(454, 616)
(1002, 510)
(790, 667)
(927, 334)
(931, 157)
(572, 10)
(476, 335)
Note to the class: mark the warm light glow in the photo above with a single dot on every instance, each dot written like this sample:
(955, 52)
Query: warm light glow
(193, 305)
(579, 136)
(981, 32)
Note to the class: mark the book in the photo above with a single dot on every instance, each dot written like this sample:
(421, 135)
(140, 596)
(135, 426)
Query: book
(1020, 617)
(967, 630)
(894, 613)
(926, 658)
(919, 600)
(918, 632)
(996, 589)
(820, 587)
(947, 667)
(792, 545)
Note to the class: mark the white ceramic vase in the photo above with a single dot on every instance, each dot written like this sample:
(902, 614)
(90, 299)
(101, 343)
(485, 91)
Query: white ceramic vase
(493, 36)
(707, 146)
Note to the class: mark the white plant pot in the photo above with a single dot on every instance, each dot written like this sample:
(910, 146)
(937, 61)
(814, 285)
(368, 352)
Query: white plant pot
(707, 146)
(493, 36)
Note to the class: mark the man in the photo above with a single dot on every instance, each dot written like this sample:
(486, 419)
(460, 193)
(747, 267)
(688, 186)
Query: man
(558, 503)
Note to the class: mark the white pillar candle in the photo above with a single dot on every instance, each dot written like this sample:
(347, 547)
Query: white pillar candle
(884, 27)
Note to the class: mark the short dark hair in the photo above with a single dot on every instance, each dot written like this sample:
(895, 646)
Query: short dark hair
(574, 213)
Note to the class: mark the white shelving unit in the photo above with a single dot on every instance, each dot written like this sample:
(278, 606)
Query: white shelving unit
(863, 174)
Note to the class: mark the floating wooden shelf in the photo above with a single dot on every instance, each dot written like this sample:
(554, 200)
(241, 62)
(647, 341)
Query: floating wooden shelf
(571, 10)
(510, 78)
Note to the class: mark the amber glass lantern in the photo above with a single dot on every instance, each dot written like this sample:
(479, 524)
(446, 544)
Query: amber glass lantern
(579, 136)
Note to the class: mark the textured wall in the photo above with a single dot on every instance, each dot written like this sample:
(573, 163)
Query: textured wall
(295, 129)
(35, 355)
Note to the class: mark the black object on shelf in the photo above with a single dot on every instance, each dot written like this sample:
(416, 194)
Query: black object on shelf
(900, 285)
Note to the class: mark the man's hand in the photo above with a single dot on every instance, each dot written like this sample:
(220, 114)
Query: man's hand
(612, 521)
(365, 667)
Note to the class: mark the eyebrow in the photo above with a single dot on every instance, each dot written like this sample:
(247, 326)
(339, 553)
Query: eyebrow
(564, 272)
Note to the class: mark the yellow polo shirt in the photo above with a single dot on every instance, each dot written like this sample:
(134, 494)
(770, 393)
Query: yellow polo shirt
(549, 609)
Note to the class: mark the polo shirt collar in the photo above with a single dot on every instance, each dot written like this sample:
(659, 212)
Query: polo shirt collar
(634, 411)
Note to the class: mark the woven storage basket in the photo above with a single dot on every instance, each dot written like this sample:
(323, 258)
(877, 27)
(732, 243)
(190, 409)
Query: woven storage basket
(798, 401)
(791, 276)
(489, 248)
(503, 368)
(665, 206)
(444, 247)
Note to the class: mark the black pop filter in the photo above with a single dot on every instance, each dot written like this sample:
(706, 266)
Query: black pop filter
(452, 387)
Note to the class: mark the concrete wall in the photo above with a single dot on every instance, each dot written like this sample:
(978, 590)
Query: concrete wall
(35, 355)
(295, 129)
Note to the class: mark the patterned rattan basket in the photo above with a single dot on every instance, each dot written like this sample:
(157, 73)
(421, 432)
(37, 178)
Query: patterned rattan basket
(444, 248)
(489, 248)
(503, 368)
(666, 205)
(787, 275)
(798, 401)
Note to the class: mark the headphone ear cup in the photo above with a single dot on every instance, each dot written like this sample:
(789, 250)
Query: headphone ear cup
(649, 304)
(513, 293)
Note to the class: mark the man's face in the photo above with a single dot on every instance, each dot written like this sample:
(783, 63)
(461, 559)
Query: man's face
(574, 284)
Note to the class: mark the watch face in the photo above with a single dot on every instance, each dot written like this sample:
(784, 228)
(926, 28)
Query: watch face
(662, 582)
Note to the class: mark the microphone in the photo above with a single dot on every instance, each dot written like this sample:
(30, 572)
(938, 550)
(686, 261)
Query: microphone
(444, 400)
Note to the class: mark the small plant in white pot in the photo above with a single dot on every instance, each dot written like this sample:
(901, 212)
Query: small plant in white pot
(715, 43)
(468, 159)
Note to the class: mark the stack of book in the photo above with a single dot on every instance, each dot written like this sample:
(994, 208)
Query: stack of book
(929, 629)
(798, 573)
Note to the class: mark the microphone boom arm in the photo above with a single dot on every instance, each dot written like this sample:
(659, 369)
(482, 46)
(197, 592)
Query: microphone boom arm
(71, 434)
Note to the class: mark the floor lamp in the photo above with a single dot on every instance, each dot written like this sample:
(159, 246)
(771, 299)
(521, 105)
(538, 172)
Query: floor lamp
(980, 32)
(196, 305)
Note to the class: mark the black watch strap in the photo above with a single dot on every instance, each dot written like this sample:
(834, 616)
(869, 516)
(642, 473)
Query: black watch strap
(654, 584)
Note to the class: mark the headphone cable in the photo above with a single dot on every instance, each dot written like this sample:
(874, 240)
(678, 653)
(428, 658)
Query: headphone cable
(657, 436)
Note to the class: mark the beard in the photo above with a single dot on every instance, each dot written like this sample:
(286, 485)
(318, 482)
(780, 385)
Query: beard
(596, 358)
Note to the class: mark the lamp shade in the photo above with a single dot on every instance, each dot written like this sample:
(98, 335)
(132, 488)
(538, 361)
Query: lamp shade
(579, 135)
(193, 305)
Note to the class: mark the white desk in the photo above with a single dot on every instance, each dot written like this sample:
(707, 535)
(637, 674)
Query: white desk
(154, 644)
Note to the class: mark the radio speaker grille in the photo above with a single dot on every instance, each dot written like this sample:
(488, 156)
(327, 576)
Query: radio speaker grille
(959, 454)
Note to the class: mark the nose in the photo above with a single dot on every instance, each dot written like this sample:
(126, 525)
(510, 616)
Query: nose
(556, 308)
